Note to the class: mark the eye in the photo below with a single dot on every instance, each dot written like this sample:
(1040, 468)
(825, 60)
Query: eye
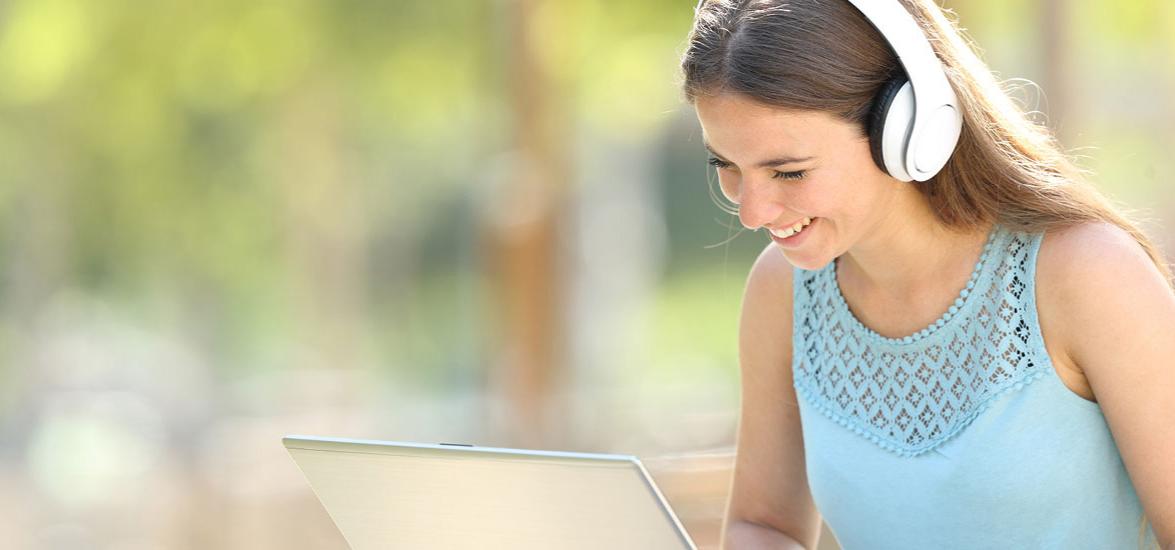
(717, 162)
(797, 175)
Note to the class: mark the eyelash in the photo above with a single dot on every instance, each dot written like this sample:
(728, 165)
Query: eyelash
(797, 175)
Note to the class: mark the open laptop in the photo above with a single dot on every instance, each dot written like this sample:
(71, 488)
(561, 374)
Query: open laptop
(398, 495)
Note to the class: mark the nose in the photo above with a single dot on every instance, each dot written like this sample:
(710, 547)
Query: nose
(758, 206)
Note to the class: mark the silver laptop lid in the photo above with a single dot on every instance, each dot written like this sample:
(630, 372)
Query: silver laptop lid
(400, 495)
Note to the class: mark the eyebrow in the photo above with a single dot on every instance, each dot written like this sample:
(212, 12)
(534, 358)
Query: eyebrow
(763, 164)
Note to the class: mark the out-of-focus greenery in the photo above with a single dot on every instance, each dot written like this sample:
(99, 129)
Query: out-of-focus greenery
(190, 160)
(165, 155)
(152, 152)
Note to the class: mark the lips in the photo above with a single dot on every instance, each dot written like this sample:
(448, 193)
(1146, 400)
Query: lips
(788, 230)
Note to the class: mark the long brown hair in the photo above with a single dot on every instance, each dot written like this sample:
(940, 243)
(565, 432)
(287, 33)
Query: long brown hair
(824, 55)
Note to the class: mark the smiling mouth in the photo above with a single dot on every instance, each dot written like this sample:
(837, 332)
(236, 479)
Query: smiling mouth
(789, 231)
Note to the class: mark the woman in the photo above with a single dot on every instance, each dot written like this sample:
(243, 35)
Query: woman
(977, 359)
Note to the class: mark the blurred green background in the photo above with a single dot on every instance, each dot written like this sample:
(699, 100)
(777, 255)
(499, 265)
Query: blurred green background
(456, 220)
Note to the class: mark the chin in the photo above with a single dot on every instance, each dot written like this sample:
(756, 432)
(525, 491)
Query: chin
(804, 262)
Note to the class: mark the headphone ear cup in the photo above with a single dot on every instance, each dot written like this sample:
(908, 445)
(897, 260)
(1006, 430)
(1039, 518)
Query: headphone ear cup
(890, 121)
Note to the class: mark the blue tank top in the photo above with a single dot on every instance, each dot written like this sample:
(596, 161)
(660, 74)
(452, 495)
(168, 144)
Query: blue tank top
(959, 436)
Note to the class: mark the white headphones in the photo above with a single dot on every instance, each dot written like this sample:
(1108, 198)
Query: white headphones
(916, 122)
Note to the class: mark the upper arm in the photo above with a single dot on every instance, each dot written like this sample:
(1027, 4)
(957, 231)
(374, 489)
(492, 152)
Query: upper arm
(1120, 330)
(769, 485)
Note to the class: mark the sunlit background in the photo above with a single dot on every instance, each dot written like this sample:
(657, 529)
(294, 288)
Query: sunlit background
(449, 220)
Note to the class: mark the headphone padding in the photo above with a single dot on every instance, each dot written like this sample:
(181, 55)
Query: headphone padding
(877, 116)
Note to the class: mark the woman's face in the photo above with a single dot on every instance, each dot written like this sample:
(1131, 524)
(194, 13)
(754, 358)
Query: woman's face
(782, 166)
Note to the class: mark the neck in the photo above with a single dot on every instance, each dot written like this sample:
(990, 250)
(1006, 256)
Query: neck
(910, 251)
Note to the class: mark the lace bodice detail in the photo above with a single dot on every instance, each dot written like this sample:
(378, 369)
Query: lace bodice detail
(910, 394)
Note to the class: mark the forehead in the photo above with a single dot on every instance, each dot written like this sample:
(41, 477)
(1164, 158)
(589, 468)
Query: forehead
(734, 125)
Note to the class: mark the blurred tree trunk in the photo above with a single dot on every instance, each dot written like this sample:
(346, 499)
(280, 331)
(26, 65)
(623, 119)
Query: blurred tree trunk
(523, 238)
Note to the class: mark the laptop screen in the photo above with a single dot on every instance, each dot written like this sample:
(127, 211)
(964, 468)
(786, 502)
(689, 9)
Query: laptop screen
(412, 495)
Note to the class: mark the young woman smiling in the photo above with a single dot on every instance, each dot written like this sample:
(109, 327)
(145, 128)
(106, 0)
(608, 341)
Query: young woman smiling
(954, 341)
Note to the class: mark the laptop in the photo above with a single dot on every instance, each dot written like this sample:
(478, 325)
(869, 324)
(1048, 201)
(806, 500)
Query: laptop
(403, 495)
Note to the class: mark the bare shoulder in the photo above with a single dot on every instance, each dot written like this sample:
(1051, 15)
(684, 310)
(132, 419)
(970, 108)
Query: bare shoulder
(1093, 253)
(771, 274)
(1080, 265)
(765, 321)
(1091, 238)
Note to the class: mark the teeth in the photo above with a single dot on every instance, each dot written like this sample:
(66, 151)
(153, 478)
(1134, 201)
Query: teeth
(793, 229)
